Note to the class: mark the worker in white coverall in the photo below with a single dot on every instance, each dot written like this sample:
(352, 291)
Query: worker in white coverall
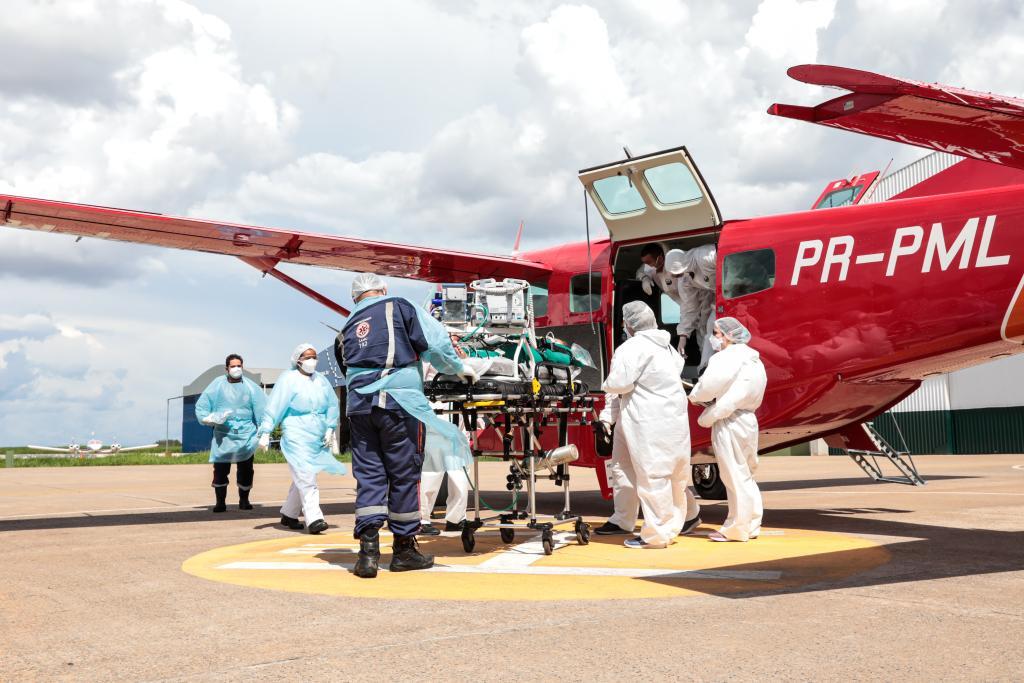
(433, 473)
(653, 274)
(694, 272)
(650, 462)
(735, 381)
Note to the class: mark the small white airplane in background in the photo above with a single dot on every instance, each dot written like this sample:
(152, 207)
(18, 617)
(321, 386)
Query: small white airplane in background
(93, 448)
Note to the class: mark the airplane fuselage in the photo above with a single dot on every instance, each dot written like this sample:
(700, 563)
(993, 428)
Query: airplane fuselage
(866, 301)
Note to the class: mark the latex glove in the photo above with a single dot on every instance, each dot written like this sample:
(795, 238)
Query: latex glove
(331, 442)
(682, 346)
(648, 285)
(468, 373)
(606, 427)
(264, 443)
(209, 420)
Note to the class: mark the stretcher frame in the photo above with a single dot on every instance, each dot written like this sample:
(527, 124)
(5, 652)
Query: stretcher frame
(526, 414)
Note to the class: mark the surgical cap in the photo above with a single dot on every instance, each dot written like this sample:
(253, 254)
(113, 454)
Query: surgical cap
(299, 350)
(677, 261)
(733, 330)
(638, 316)
(366, 282)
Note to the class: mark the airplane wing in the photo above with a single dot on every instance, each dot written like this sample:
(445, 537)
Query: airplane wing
(138, 448)
(264, 248)
(970, 124)
(49, 449)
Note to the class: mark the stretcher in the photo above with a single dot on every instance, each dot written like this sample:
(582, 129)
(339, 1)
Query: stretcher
(527, 386)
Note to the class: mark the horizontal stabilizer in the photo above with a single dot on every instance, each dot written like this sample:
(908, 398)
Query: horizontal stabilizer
(970, 124)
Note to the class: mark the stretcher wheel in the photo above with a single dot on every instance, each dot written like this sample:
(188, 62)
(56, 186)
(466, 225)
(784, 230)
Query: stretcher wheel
(508, 535)
(468, 539)
(582, 532)
(547, 542)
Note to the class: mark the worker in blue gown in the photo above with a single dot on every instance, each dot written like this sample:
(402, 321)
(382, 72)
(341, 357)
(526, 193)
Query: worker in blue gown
(233, 406)
(303, 402)
(379, 350)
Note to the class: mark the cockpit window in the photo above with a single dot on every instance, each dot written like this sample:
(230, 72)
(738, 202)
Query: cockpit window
(841, 197)
(673, 183)
(618, 195)
(747, 272)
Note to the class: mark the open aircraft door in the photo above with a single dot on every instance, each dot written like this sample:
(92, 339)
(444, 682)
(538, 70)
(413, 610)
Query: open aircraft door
(650, 196)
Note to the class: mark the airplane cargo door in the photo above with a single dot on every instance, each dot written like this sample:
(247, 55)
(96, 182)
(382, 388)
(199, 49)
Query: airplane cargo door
(651, 196)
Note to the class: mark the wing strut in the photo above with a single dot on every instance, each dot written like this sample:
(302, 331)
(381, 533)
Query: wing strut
(267, 266)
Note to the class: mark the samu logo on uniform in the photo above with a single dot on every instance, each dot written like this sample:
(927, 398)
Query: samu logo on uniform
(363, 329)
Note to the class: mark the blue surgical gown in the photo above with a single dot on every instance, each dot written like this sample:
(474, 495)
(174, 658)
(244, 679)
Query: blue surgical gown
(235, 439)
(306, 407)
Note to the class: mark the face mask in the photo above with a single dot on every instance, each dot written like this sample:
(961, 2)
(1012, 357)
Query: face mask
(235, 372)
(716, 344)
(308, 366)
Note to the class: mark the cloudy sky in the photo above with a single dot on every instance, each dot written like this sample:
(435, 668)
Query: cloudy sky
(429, 122)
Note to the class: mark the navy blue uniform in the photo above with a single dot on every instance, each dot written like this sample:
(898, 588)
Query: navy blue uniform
(387, 442)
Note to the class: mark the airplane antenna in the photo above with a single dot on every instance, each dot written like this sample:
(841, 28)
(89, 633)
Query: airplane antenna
(590, 261)
(629, 155)
(519, 237)
(330, 327)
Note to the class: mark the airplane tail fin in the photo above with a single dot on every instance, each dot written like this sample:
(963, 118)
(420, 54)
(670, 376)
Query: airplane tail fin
(519, 237)
(966, 123)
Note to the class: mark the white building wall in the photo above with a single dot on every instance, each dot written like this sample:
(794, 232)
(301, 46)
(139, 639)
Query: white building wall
(932, 395)
(996, 384)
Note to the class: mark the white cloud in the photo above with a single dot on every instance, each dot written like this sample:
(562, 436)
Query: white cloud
(787, 30)
(444, 124)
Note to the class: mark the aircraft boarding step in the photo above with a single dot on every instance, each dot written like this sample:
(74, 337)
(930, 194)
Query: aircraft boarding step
(869, 460)
(869, 450)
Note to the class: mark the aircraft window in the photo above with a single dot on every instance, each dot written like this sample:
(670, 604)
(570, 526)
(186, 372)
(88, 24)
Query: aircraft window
(673, 183)
(539, 294)
(842, 197)
(747, 272)
(669, 310)
(585, 293)
(618, 195)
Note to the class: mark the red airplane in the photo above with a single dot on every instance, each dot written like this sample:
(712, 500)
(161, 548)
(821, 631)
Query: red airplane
(850, 308)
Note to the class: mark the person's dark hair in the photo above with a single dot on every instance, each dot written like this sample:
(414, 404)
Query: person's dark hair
(233, 356)
(653, 250)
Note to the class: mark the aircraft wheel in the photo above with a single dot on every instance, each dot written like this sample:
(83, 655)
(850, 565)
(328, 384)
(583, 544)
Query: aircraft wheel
(508, 535)
(708, 482)
(548, 542)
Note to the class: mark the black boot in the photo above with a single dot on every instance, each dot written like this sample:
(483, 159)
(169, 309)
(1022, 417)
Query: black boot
(243, 500)
(291, 522)
(222, 495)
(369, 555)
(406, 556)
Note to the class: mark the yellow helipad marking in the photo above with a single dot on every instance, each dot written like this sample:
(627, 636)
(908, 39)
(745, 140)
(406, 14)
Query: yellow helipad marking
(605, 569)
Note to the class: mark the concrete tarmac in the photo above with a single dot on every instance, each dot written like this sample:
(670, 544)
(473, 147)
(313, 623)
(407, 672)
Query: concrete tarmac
(92, 588)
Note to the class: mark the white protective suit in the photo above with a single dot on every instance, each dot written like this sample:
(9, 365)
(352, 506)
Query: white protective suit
(666, 282)
(432, 474)
(694, 270)
(735, 380)
(650, 463)
(431, 478)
